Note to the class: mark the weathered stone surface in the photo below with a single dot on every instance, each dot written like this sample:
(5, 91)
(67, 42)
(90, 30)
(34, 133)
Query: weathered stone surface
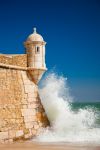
(29, 125)
(28, 112)
(19, 133)
(3, 135)
(21, 111)
(20, 106)
(18, 60)
(30, 118)
(12, 133)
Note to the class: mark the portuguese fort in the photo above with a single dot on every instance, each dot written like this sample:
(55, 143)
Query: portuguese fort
(21, 112)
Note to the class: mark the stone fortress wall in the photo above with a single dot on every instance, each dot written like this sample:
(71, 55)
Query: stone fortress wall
(21, 112)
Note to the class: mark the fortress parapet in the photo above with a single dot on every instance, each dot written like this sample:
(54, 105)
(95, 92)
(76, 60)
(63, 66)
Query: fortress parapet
(21, 112)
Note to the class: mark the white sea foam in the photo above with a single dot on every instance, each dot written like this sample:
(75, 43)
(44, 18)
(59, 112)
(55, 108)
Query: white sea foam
(66, 125)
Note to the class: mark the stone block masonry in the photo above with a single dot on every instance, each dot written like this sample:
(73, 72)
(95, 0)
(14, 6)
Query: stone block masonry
(21, 112)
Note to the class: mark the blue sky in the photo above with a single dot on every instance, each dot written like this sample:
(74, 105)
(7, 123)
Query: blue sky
(71, 29)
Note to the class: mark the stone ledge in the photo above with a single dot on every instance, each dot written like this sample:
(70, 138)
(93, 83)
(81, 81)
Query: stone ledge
(20, 68)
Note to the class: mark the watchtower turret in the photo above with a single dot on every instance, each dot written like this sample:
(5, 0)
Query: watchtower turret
(35, 49)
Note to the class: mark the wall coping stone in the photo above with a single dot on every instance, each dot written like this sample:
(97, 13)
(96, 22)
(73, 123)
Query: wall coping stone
(20, 68)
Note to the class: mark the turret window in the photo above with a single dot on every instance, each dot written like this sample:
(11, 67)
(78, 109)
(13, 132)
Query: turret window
(37, 50)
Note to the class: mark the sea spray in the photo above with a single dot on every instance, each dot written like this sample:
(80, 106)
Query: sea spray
(66, 125)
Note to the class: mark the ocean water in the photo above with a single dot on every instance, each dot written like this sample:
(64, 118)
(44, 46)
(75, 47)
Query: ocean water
(69, 121)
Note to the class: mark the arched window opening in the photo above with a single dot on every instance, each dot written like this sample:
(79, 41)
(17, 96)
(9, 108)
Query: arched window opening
(37, 51)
